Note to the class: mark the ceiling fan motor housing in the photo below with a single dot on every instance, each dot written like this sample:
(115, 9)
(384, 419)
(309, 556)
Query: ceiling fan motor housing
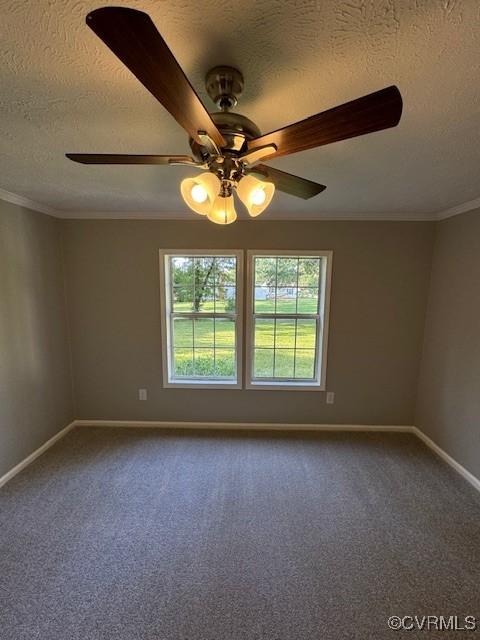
(235, 128)
(224, 85)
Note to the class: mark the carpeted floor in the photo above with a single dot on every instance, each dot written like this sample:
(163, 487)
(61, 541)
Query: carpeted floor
(129, 534)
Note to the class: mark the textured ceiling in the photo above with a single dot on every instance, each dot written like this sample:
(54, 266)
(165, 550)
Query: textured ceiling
(63, 90)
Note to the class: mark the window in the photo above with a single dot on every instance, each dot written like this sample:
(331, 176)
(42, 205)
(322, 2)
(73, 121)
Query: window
(288, 297)
(287, 318)
(201, 317)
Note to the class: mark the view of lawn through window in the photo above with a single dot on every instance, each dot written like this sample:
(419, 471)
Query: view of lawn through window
(287, 297)
(286, 317)
(203, 316)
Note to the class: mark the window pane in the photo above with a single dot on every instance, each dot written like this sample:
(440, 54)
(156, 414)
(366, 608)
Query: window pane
(225, 363)
(182, 272)
(202, 347)
(307, 300)
(204, 282)
(287, 272)
(225, 271)
(308, 272)
(183, 362)
(182, 299)
(286, 300)
(285, 334)
(264, 299)
(203, 336)
(204, 300)
(204, 267)
(285, 348)
(284, 362)
(306, 334)
(225, 299)
(264, 333)
(263, 363)
(204, 364)
(224, 332)
(182, 332)
(304, 363)
(265, 272)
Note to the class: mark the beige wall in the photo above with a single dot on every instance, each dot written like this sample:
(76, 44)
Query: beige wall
(35, 381)
(379, 292)
(448, 407)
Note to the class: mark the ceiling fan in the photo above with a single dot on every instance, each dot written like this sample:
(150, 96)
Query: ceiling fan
(226, 146)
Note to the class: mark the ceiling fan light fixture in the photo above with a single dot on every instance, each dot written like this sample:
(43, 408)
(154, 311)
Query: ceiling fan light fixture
(223, 210)
(200, 192)
(255, 194)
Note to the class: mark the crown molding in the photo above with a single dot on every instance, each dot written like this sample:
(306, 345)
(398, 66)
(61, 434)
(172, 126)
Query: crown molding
(460, 208)
(21, 201)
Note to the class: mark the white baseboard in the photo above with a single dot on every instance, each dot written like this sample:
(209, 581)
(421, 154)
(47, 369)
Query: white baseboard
(38, 452)
(469, 477)
(256, 426)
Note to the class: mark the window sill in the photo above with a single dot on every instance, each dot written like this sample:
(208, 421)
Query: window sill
(285, 386)
(202, 384)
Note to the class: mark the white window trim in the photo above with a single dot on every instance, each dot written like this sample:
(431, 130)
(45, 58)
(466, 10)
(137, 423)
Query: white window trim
(320, 383)
(168, 382)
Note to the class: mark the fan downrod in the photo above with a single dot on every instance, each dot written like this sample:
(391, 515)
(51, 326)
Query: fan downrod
(224, 85)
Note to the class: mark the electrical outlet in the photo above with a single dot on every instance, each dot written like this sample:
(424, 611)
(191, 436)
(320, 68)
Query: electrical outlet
(330, 397)
(142, 394)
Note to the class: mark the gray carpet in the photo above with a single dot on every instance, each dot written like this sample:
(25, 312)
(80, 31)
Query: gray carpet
(132, 534)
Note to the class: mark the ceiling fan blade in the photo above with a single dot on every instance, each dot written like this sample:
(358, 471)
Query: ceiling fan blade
(133, 38)
(373, 112)
(250, 157)
(118, 158)
(288, 183)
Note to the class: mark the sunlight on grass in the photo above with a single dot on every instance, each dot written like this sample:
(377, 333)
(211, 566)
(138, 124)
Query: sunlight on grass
(293, 343)
(204, 347)
(306, 304)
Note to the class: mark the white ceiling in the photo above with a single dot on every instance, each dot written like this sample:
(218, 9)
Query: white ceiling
(63, 90)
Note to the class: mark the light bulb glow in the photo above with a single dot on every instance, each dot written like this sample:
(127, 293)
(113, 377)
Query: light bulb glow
(223, 210)
(255, 194)
(258, 196)
(199, 193)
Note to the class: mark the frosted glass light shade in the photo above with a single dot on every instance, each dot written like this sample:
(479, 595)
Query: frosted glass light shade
(223, 210)
(199, 193)
(255, 194)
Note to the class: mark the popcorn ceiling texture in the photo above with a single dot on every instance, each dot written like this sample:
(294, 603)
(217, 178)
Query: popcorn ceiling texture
(63, 90)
